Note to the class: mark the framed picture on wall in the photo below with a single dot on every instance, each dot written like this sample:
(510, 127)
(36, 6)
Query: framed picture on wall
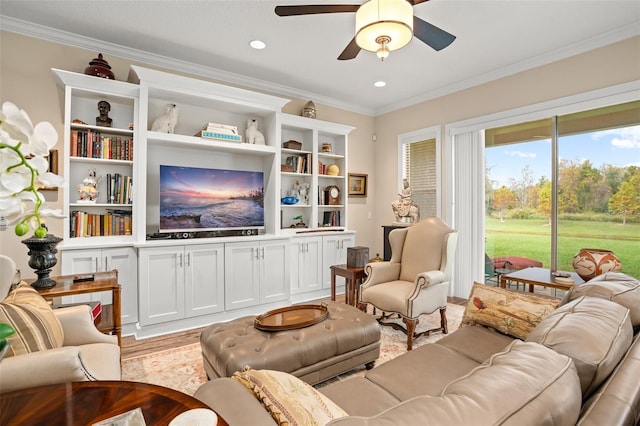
(358, 184)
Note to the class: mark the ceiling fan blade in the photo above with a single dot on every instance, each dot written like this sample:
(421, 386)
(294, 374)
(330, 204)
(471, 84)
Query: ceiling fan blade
(350, 52)
(430, 34)
(414, 2)
(313, 9)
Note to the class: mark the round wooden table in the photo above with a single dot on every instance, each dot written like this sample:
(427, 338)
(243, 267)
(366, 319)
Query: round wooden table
(84, 403)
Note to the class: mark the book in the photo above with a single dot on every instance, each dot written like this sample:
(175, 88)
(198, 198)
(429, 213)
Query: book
(221, 136)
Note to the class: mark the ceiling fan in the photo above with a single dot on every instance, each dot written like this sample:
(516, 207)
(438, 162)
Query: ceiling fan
(381, 25)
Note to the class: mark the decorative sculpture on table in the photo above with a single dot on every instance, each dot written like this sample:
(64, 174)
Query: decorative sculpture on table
(88, 189)
(405, 210)
(103, 119)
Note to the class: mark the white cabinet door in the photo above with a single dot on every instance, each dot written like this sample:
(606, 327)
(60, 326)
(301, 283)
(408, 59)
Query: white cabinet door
(274, 271)
(161, 284)
(80, 261)
(334, 252)
(255, 273)
(241, 275)
(123, 259)
(306, 264)
(204, 279)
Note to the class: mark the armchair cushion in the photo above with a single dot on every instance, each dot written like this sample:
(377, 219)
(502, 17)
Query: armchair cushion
(37, 328)
(509, 312)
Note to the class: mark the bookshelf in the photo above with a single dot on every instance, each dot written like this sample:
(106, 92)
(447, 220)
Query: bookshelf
(323, 150)
(95, 154)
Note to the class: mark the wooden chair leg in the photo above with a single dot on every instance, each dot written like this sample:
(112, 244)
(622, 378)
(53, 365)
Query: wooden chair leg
(443, 320)
(411, 328)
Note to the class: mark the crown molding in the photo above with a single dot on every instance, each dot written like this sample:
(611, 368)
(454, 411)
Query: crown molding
(605, 39)
(146, 58)
(216, 74)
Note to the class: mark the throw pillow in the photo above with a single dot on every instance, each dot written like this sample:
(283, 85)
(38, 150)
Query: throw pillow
(509, 312)
(37, 327)
(289, 400)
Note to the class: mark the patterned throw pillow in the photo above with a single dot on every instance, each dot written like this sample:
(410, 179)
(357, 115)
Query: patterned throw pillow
(37, 327)
(510, 312)
(289, 400)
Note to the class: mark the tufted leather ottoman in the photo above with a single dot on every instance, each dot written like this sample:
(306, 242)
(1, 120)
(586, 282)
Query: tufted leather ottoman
(346, 339)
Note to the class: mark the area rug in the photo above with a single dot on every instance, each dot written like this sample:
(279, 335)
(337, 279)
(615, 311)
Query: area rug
(181, 368)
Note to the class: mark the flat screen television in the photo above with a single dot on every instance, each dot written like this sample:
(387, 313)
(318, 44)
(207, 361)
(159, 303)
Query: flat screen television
(207, 199)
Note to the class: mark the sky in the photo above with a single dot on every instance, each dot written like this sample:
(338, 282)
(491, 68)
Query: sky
(618, 147)
(207, 183)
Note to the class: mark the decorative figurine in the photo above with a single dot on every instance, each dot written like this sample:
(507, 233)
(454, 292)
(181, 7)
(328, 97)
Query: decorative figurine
(88, 189)
(404, 209)
(166, 123)
(254, 135)
(98, 67)
(303, 191)
(309, 110)
(299, 223)
(103, 119)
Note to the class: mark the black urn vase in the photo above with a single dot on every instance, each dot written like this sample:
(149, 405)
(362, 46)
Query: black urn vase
(42, 257)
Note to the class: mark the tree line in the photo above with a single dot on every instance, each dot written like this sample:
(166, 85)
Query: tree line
(582, 189)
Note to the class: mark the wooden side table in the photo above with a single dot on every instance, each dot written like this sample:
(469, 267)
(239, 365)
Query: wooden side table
(110, 318)
(353, 277)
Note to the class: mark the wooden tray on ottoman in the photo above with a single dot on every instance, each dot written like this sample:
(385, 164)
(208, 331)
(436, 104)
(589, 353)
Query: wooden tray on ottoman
(291, 317)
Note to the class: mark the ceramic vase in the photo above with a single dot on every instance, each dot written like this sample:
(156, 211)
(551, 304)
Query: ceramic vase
(589, 263)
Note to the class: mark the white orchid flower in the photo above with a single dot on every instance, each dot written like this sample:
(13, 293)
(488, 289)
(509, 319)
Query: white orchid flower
(23, 168)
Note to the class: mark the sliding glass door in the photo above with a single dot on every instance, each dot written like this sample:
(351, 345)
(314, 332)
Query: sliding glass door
(557, 185)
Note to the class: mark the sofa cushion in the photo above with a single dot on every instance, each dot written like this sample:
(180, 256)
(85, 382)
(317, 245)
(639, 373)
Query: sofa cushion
(615, 286)
(594, 332)
(537, 386)
(617, 401)
(37, 327)
(422, 371)
(359, 396)
(476, 343)
(289, 400)
(509, 312)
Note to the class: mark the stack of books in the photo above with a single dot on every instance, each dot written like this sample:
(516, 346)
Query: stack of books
(119, 189)
(220, 132)
(92, 144)
(84, 224)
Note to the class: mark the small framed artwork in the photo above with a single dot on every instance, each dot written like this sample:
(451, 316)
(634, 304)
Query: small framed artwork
(358, 185)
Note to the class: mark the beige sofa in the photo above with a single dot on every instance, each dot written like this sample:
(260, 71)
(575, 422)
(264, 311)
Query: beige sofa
(580, 364)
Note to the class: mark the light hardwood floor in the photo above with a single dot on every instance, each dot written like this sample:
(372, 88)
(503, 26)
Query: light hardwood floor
(132, 347)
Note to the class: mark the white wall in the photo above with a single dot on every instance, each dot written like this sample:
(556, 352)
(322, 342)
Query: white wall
(26, 79)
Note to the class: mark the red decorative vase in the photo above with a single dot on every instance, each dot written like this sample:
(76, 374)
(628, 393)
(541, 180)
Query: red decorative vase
(100, 68)
(589, 263)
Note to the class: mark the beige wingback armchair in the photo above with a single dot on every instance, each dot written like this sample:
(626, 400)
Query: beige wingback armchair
(416, 279)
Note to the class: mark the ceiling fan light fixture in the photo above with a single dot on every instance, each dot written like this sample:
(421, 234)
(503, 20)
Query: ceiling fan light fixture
(383, 50)
(383, 26)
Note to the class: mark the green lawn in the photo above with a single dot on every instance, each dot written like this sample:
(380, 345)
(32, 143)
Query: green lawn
(531, 238)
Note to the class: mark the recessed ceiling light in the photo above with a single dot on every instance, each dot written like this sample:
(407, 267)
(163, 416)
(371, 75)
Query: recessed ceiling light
(257, 44)
(380, 83)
